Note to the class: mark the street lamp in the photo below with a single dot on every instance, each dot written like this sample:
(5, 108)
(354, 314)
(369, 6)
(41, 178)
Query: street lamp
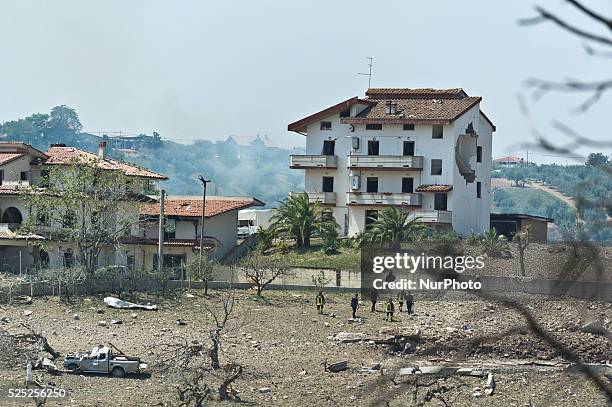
(204, 182)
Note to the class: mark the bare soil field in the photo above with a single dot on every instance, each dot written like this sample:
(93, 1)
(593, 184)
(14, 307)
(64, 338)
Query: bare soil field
(282, 344)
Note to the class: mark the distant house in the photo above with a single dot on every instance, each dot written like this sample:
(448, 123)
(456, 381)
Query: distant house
(246, 145)
(183, 225)
(508, 224)
(508, 161)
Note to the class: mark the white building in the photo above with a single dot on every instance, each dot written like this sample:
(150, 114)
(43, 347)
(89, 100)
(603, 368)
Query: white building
(428, 150)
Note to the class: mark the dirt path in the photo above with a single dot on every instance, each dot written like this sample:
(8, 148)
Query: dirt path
(569, 201)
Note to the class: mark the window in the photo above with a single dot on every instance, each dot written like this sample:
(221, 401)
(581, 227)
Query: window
(370, 217)
(329, 147)
(373, 147)
(440, 202)
(44, 258)
(25, 176)
(1, 176)
(478, 154)
(409, 148)
(325, 125)
(374, 126)
(408, 185)
(436, 166)
(478, 190)
(68, 259)
(345, 113)
(130, 262)
(372, 184)
(102, 356)
(391, 107)
(328, 184)
(409, 127)
(437, 131)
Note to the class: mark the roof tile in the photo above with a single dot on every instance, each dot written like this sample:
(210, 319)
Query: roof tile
(189, 207)
(434, 188)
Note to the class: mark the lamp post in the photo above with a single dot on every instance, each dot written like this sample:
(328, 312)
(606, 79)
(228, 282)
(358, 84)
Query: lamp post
(204, 182)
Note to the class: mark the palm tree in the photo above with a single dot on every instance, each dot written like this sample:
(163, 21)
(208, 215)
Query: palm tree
(300, 219)
(392, 226)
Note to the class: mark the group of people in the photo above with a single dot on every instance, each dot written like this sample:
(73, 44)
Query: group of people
(402, 298)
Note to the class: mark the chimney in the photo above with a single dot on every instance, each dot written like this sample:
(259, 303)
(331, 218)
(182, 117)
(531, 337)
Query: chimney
(102, 150)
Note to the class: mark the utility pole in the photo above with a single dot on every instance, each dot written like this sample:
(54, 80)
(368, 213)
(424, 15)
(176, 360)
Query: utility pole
(204, 182)
(369, 74)
(160, 240)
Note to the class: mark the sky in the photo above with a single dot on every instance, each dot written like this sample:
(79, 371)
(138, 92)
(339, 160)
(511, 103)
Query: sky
(204, 70)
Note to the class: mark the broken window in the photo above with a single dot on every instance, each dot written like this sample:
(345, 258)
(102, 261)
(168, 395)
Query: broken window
(409, 126)
(373, 147)
(325, 125)
(372, 184)
(370, 217)
(373, 126)
(440, 202)
(328, 147)
(409, 148)
(479, 154)
(407, 185)
(437, 131)
(328, 184)
(436, 166)
(25, 176)
(478, 190)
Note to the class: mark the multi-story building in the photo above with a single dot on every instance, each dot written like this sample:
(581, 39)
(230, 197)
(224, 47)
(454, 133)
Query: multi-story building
(427, 150)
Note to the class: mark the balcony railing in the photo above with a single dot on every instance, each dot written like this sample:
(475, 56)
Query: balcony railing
(313, 161)
(433, 216)
(384, 198)
(326, 198)
(386, 161)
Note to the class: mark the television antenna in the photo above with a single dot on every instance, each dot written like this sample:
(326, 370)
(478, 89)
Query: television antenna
(369, 74)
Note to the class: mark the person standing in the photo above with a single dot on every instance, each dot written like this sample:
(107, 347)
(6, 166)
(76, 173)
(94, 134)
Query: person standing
(374, 298)
(355, 304)
(390, 308)
(320, 301)
(409, 303)
(401, 298)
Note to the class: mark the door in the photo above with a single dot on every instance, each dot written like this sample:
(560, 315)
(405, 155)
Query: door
(440, 202)
(328, 184)
(101, 363)
(329, 147)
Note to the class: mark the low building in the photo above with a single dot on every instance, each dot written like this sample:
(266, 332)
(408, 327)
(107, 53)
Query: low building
(508, 161)
(249, 220)
(508, 224)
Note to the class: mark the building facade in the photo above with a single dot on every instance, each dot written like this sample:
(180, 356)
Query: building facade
(426, 150)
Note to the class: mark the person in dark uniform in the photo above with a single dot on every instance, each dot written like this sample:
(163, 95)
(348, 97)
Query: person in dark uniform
(355, 304)
(390, 308)
(409, 303)
(320, 301)
(374, 298)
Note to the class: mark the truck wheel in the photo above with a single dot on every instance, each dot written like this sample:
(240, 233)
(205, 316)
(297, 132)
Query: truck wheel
(118, 372)
(72, 367)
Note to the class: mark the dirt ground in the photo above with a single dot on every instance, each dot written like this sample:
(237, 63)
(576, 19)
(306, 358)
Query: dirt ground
(282, 344)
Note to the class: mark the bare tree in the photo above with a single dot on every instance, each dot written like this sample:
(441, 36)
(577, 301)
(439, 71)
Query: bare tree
(521, 238)
(262, 271)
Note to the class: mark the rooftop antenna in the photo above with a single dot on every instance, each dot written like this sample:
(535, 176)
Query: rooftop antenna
(369, 74)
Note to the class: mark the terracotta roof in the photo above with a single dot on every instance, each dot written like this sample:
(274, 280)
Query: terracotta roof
(434, 188)
(384, 93)
(69, 155)
(300, 125)
(9, 190)
(209, 242)
(191, 207)
(9, 234)
(415, 110)
(509, 159)
(6, 158)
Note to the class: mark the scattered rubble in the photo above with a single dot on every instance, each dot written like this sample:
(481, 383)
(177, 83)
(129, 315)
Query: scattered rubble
(118, 303)
(337, 367)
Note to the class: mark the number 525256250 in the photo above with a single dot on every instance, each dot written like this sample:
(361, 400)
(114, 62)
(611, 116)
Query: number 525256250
(30, 393)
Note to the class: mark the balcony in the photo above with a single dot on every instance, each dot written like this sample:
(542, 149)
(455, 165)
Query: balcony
(325, 198)
(386, 162)
(384, 198)
(313, 161)
(433, 216)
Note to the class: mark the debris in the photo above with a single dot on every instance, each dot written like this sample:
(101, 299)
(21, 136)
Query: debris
(264, 390)
(189, 295)
(407, 371)
(76, 317)
(438, 370)
(27, 312)
(373, 366)
(477, 392)
(595, 328)
(350, 337)
(337, 367)
(180, 322)
(5, 319)
(117, 303)
(102, 323)
(116, 322)
(327, 324)
(490, 385)
(134, 316)
(99, 311)
(22, 299)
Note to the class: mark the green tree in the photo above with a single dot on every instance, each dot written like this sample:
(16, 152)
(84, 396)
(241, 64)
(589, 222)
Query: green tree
(88, 208)
(299, 219)
(597, 159)
(392, 226)
(202, 269)
(64, 120)
(517, 174)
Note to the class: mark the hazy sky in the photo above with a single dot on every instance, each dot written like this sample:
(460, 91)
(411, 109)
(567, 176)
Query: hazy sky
(204, 70)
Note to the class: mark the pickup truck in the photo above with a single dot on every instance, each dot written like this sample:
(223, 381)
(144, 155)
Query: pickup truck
(102, 359)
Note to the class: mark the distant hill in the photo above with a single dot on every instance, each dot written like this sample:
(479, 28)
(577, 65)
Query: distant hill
(251, 168)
